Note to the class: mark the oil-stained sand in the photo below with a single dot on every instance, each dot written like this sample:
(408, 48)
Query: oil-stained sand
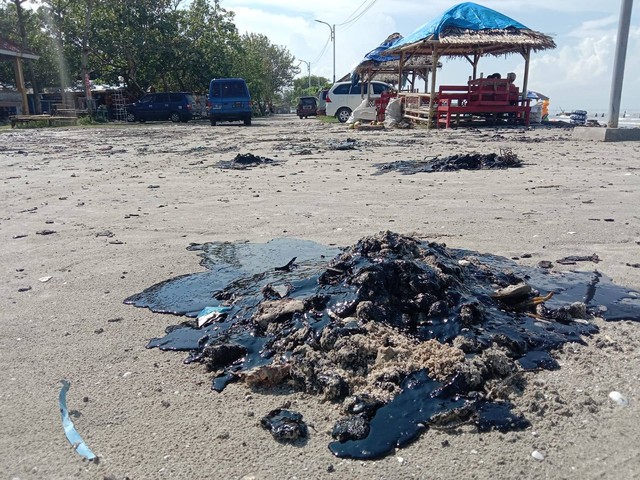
(389, 318)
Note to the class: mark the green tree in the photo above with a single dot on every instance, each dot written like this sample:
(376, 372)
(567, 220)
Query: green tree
(44, 71)
(301, 85)
(144, 43)
(267, 68)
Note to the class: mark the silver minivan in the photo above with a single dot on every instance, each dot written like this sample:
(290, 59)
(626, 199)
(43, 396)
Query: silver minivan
(344, 97)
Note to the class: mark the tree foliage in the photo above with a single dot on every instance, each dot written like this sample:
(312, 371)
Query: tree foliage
(167, 44)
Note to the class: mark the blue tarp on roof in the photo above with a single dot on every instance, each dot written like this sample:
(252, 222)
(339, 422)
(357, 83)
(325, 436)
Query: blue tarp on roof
(375, 54)
(467, 15)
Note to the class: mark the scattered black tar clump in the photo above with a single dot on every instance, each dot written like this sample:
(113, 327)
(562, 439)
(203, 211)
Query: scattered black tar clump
(243, 161)
(285, 425)
(468, 161)
(573, 259)
(406, 334)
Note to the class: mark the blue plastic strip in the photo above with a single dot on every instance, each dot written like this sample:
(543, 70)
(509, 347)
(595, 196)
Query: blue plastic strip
(69, 430)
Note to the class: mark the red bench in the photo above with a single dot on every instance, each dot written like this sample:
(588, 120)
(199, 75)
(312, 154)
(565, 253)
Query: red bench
(489, 98)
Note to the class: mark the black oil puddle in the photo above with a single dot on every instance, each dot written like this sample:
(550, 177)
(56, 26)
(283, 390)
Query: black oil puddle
(467, 161)
(243, 161)
(422, 331)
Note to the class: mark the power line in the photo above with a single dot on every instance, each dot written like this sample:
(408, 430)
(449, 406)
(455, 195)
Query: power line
(350, 21)
(353, 13)
(324, 49)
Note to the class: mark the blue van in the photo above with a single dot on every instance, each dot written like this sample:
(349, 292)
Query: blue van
(229, 100)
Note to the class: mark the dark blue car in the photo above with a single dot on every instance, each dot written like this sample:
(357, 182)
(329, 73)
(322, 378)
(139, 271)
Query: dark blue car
(229, 100)
(174, 106)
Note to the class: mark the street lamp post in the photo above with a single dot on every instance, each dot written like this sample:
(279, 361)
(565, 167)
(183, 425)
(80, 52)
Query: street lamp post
(308, 70)
(333, 40)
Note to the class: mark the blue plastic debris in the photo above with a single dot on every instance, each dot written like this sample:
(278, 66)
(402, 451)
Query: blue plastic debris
(207, 314)
(69, 429)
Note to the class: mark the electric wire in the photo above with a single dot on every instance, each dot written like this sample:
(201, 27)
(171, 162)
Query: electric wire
(348, 23)
(322, 52)
(352, 13)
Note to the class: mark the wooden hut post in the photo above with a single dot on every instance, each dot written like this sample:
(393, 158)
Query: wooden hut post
(476, 59)
(400, 67)
(17, 67)
(432, 94)
(525, 81)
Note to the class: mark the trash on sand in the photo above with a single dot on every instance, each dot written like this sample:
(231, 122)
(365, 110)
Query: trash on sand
(348, 144)
(45, 279)
(285, 425)
(537, 455)
(467, 161)
(69, 429)
(618, 398)
(407, 334)
(208, 314)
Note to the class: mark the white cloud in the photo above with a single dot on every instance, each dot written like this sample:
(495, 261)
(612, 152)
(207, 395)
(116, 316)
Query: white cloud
(576, 75)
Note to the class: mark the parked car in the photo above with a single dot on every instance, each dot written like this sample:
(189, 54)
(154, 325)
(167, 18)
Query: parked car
(343, 97)
(174, 106)
(229, 100)
(306, 107)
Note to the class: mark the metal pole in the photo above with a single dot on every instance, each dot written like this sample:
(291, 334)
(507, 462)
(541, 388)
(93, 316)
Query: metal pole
(618, 65)
(333, 39)
(308, 70)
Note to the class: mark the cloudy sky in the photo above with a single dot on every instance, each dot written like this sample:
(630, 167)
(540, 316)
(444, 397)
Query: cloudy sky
(576, 75)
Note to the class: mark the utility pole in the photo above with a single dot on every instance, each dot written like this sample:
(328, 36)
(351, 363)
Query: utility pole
(308, 70)
(333, 40)
(618, 65)
(612, 133)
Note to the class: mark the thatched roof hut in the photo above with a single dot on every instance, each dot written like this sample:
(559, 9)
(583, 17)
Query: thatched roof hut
(385, 66)
(471, 31)
(469, 28)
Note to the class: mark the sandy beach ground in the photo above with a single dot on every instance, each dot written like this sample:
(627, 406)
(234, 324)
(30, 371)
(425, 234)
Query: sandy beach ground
(156, 188)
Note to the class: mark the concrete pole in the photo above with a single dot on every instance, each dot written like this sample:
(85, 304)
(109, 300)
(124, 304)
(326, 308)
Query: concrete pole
(618, 65)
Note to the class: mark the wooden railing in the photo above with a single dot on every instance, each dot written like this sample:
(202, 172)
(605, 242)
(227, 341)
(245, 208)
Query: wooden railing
(483, 98)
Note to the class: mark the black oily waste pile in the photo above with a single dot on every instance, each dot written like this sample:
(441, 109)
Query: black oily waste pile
(243, 161)
(407, 335)
(467, 161)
